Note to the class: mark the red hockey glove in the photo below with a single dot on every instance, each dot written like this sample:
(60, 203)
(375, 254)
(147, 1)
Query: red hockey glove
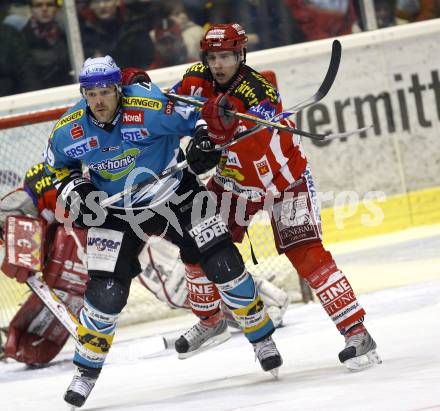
(133, 75)
(221, 126)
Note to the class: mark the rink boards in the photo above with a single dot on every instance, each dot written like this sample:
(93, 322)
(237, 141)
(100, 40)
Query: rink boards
(385, 180)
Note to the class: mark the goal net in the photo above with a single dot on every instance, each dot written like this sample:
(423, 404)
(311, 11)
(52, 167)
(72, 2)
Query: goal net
(22, 141)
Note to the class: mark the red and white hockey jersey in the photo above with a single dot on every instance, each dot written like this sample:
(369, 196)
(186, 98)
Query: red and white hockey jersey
(270, 160)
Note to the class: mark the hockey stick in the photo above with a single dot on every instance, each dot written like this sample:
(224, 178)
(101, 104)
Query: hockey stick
(320, 94)
(257, 120)
(53, 302)
(329, 136)
(63, 314)
(135, 188)
(48, 296)
(326, 85)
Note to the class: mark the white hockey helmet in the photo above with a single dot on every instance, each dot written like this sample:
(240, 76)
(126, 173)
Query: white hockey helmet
(99, 72)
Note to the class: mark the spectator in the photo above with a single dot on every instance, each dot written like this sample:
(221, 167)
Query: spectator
(269, 24)
(417, 10)
(107, 28)
(16, 70)
(16, 14)
(48, 44)
(319, 19)
(81, 6)
(192, 33)
(170, 46)
(198, 10)
(384, 13)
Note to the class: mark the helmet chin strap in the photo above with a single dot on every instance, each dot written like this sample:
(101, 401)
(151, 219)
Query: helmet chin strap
(243, 61)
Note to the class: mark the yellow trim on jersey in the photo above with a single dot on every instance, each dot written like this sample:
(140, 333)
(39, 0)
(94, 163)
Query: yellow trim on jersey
(142, 102)
(76, 115)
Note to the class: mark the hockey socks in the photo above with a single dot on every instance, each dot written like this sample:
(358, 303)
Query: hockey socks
(242, 298)
(336, 296)
(95, 336)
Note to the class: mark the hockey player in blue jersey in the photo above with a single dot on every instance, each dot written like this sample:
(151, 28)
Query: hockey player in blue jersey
(124, 135)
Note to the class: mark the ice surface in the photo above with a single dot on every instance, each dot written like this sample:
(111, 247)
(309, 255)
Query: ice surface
(141, 375)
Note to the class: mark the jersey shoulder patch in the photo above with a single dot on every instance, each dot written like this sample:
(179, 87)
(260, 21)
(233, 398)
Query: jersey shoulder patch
(137, 96)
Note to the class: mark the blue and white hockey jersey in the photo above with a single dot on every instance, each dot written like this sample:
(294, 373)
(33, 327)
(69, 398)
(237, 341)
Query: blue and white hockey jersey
(144, 141)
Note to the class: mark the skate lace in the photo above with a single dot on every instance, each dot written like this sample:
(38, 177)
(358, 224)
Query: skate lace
(356, 340)
(265, 349)
(200, 332)
(82, 385)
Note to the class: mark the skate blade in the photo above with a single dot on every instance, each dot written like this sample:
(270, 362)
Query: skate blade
(363, 362)
(211, 343)
(275, 372)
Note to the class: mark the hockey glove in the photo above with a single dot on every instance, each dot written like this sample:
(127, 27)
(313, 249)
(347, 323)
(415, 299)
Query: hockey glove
(76, 197)
(221, 126)
(201, 161)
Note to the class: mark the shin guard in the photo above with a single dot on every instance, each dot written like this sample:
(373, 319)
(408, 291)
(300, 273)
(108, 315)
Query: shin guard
(95, 336)
(242, 298)
(202, 293)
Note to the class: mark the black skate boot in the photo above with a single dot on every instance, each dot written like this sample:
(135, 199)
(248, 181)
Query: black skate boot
(201, 337)
(267, 353)
(81, 386)
(360, 349)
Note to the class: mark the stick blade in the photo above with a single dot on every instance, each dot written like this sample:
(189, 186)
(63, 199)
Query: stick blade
(332, 71)
(328, 81)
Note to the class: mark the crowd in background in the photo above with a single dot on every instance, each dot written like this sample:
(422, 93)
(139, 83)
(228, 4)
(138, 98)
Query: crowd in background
(153, 34)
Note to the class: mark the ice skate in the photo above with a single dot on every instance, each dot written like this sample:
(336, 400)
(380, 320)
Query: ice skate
(360, 349)
(201, 337)
(82, 384)
(268, 355)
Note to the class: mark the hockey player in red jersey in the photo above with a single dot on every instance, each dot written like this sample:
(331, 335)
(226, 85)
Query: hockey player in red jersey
(266, 171)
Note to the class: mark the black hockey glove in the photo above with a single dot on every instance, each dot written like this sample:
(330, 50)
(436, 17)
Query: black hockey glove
(83, 207)
(201, 161)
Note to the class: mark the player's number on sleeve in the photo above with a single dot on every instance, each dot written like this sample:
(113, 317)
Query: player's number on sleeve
(48, 155)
